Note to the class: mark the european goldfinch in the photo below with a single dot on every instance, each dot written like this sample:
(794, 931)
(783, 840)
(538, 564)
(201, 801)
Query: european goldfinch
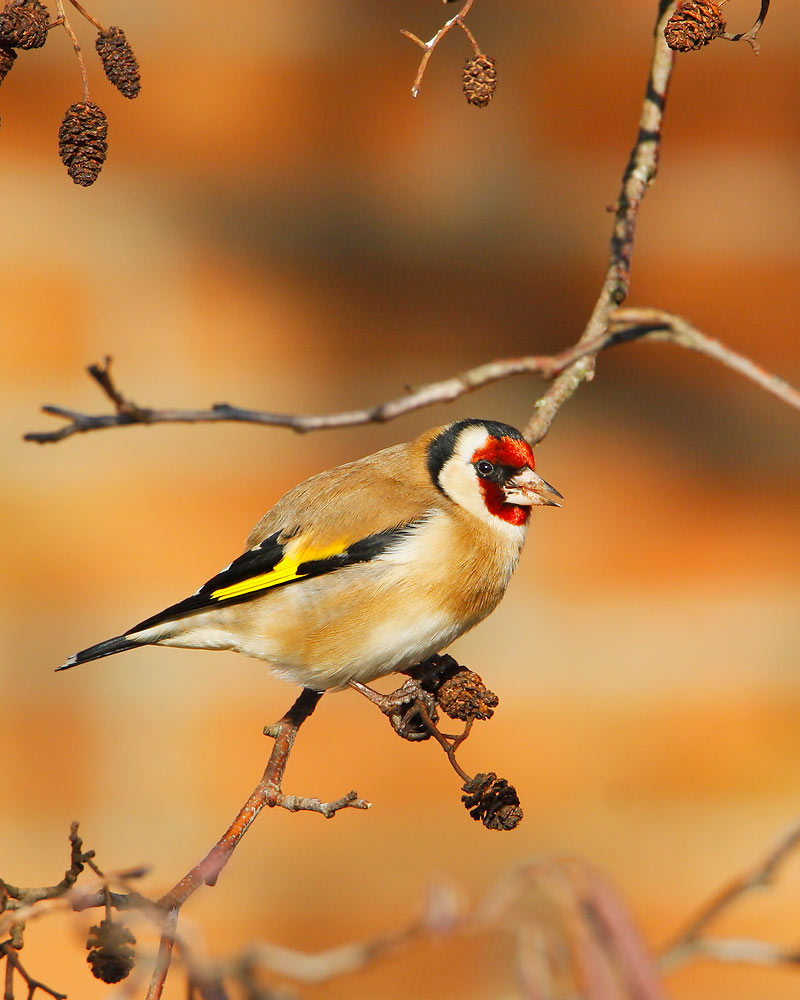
(368, 568)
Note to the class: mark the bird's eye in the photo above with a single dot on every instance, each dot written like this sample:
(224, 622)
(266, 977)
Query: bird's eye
(484, 468)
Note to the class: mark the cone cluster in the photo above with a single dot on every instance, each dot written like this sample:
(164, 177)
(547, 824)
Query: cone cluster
(119, 61)
(693, 25)
(23, 24)
(82, 142)
(479, 80)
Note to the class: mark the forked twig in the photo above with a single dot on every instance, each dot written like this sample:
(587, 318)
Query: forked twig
(690, 942)
(431, 44)
(751, 35)
(267, 792)
(639, 174)
(13, 964)
(624, 326)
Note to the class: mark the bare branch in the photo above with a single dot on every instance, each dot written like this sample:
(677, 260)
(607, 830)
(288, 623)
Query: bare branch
(14, 964)
(655, 324)
(689, 941)
(16, 897)
(638, 176)
(431, 44)
(625, 326)
(266, 793)
(751, 35)
(63, 21)
(733, 951)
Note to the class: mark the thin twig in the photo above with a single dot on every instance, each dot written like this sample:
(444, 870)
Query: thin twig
(735, 951)
(64, 20)
(687, 942)
(92, 20)
(628, 325)
(431, 44)
(266, 793)
(751, 35)
(672, 329)
(638, 176)
(21, 897)
(33, 984)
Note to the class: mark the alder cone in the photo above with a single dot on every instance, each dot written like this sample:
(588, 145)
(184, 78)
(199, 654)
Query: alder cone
(693, 25)
(479, 80)
(111, 956)
(492, 801)
(23, 24)
(82, 142)
(7, 57)
(119, 62)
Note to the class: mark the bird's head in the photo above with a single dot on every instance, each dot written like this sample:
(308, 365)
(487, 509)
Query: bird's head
(488, 469)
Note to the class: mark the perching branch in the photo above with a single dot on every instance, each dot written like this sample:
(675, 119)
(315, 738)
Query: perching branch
(267, 792)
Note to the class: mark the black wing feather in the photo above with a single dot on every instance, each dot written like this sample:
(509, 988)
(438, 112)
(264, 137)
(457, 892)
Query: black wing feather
(263, 558)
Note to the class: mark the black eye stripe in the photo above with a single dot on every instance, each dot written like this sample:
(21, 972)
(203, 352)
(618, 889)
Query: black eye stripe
(497, 473)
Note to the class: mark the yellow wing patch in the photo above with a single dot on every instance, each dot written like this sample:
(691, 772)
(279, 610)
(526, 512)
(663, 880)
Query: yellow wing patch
(284, 572)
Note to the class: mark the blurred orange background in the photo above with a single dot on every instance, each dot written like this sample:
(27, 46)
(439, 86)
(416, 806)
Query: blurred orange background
(281, 226)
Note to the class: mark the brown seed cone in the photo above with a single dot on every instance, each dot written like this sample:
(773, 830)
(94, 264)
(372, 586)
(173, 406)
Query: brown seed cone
(7, 57)
(82, 142)
(693, 25)
(479, 80)
(464, 696)
(111, 957)
(492, 801)
(23, 24)
(119, 61)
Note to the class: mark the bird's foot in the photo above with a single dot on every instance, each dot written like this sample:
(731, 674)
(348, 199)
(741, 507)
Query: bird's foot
(410, 709)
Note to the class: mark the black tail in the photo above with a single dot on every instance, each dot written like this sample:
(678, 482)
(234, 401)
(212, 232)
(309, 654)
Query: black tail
(116, 645)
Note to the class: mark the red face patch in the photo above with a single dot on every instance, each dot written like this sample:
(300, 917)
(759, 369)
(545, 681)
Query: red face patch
(514, 454)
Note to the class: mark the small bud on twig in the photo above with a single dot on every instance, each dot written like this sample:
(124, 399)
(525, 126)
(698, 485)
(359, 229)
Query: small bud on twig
(693, 25)
(82, 142)
(119, 61)
(23, 24)
(111, 957)
(479, 80)
(492, 801)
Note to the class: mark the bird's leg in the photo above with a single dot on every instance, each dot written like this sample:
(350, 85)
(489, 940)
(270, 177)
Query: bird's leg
(284, 732)
(401, 707)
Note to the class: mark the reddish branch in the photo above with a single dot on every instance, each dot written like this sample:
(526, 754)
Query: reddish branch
(266, 793)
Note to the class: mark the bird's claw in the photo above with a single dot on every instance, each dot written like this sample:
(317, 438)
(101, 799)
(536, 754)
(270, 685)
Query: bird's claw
(402, 708)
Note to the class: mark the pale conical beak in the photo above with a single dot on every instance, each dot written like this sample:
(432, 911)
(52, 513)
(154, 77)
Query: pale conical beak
(526, 489)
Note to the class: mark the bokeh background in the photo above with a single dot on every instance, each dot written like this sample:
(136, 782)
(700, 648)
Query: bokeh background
(281, 226)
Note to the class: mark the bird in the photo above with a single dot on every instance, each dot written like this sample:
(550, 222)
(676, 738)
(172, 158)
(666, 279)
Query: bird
(368, 568)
